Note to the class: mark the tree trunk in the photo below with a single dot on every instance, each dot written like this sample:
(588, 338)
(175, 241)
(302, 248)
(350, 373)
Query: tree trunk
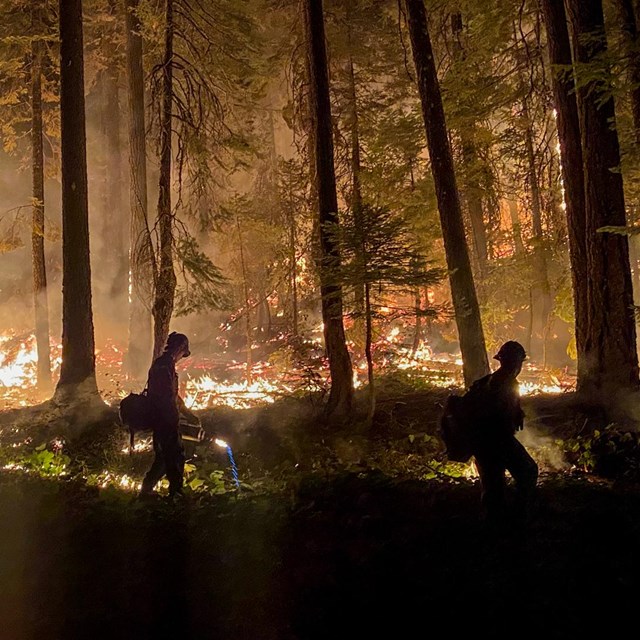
(77, 373)
(629, 23)
(629, 13)
(356, 190)
(368, 354)
(247, 307)
(293, 266)
(541, 292)
(165, 285)
(341, 395)
(141, 255)
(472, 190)
(40, 299)
(516, 227)
(610, 349)
(473, 194)
(417, 333)
(465, 301)
(568, 126)
(114, 227)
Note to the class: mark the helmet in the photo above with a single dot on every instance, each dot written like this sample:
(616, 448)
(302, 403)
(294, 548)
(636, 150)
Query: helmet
(511, 351)
(178, 339)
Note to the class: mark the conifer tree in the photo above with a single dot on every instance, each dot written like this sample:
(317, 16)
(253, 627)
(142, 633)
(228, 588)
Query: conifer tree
(610, 340)
(77, 372)
(467, 311)
(323, 175)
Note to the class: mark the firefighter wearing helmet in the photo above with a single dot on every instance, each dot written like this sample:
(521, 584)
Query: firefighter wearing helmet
(496, 449)
(167, 405)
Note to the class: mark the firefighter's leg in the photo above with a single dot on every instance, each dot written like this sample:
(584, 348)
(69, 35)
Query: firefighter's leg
(493, 484)
(157, 469)
(524, 471)
(174, 460)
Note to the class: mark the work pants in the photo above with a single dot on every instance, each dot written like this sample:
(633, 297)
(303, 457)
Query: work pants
(493, 460)
(169, 461)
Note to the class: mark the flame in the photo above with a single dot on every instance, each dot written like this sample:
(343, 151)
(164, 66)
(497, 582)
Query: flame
(204, 391)
(19, 369)
(218, 381)
(143, 444)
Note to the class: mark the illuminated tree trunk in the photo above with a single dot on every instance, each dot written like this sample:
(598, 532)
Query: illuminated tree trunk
(247, 307)
(323, 173)
(628, 12)
(113, 228)
(77, 373)
(165, 285)
(141, 255)
(474, 202)
(610, 349)
(516, 227)
(41, 305)
(359, 328)
(472, 190)
(367, 350)
(465, 301)
(541, 290)
(568, 126)
(417, 334)
(293, 261)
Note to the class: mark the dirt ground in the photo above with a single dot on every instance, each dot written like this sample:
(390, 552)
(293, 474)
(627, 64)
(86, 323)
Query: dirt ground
(349, 536)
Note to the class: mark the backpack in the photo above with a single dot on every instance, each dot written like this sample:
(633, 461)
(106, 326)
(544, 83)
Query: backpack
(459, 419)
(136, 415)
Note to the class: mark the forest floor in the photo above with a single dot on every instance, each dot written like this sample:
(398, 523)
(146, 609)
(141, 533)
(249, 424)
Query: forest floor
(334, 534)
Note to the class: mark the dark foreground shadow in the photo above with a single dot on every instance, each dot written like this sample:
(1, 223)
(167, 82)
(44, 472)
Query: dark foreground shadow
(353, 557)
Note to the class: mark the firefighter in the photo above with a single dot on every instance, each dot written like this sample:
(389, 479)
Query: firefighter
(496, 448)
(167, 405)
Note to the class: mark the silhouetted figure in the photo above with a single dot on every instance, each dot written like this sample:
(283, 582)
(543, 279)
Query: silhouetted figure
(167, 405)
(496, 448)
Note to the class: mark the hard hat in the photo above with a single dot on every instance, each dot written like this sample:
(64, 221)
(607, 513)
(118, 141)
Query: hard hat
(176, 339)
(511, 351)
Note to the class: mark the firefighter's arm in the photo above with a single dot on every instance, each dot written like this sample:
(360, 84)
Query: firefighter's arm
(187, 413)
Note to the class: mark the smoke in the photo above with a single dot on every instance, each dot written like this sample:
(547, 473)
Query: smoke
(543, 448)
